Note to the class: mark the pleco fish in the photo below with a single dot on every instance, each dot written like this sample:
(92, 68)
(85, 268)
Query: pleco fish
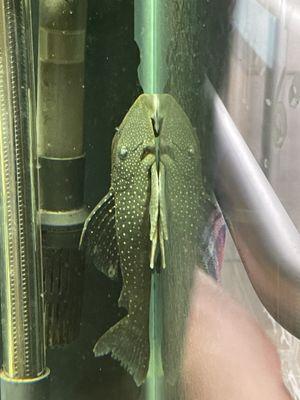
(154, 151)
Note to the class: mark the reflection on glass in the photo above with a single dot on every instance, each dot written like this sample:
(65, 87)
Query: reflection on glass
(261, 94)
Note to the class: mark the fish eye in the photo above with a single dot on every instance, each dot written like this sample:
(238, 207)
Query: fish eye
(123, 152)
(191, 151)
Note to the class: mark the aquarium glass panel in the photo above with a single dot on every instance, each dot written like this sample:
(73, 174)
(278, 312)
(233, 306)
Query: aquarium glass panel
(149, 199)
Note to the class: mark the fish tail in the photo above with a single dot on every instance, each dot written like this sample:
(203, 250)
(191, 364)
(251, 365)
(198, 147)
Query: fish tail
(128, 344)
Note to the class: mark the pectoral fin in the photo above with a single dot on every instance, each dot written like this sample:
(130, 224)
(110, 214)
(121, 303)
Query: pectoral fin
(99, 240)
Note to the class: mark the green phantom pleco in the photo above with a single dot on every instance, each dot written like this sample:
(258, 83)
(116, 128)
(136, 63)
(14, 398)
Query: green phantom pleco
(155, 182)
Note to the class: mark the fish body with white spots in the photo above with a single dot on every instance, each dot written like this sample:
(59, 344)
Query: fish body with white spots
(154, 185)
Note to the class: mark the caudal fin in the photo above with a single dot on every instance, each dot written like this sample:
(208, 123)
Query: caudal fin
(129, 344)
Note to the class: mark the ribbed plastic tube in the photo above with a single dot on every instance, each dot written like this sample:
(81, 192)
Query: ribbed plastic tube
(21, 273)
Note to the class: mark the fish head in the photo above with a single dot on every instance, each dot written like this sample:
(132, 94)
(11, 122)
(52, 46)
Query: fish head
(179, 142)
(133, 147)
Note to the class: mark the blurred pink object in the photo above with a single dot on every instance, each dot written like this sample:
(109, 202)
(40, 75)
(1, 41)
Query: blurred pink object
(215, 236)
